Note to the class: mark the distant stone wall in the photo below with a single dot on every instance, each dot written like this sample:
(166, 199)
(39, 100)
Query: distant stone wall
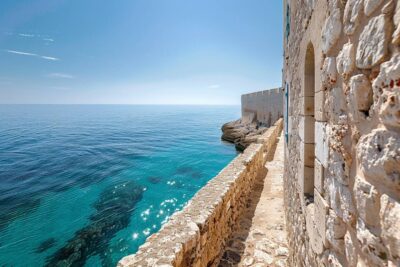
(266, 106)
(342, 157)
(196, 235)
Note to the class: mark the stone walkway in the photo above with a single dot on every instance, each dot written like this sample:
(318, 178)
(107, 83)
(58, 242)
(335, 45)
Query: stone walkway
(261, 237)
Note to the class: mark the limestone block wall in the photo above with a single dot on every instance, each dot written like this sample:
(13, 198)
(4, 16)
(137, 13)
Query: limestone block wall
(266, 106)
(196, 235)
(342, 156)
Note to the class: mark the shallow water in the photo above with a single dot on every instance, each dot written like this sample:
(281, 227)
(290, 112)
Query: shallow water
(100, 178)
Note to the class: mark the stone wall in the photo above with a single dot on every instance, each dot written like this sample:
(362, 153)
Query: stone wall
(266, 106)
(196, 235)
(342, 157)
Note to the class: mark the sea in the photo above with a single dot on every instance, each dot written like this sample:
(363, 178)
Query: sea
(85, 185)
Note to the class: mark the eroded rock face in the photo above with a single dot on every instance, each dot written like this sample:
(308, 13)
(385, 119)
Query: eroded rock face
(360, 97)
(378, 154)
(329, 72)
(371, 245)
(352, 14)
(386, 89)
(373, 43)
(331, 31)
(367, 201)
(346, 60)
(396, 20)
(371, 5)
(390, 221)
(242, 133)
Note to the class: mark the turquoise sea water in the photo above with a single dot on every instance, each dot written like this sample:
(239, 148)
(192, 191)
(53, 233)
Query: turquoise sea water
(85, 185)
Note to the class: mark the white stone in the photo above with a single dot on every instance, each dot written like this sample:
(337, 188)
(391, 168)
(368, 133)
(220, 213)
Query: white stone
(378, 155)
(371, 5)
(337, 167)
(329, 72)
(331, 31)
(386, 82)
(367, 201)
(396, 20)
(306, 129)
(360, 93)
(263, 256)
(345, 61)
(371, 245)
(322, 143)
(389, 114)
(350, 250)
(340, 199)
(336, 104)
(390, 222)
(373, 43)
(321, 212)
(319, 176)
(352, 14)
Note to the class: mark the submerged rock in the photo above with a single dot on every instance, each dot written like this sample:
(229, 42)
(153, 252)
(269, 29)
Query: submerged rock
(45, 245)
(242, 133)
(154, 179)
(113, 212)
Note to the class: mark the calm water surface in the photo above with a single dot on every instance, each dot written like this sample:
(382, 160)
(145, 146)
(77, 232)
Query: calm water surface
(85, 185)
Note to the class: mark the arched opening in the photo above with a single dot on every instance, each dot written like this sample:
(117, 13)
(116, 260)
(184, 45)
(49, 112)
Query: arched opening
(309, 124)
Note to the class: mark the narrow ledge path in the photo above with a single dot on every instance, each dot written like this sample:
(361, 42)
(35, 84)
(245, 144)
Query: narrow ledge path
(261, 237)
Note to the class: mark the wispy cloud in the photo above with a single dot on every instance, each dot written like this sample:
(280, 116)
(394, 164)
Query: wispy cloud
(31, 55)
(48, 39)
(50, 58)
(60, 75)
(26, 35)
(214, 86)
(22, 53)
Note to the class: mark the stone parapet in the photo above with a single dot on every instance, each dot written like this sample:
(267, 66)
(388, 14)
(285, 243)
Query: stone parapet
(196, 236)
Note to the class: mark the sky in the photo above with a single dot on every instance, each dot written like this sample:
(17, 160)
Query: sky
(138, 51)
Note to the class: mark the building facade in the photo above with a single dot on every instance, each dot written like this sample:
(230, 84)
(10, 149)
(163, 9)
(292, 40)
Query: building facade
(342, 125)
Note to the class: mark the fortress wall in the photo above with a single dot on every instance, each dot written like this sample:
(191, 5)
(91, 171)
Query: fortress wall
(197, 235)
(342, 157)
(267, 105)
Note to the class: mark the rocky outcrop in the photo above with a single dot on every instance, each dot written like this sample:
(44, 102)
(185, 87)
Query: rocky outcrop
(242, 132)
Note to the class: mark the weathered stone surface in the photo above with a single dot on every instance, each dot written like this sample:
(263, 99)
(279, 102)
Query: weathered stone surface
(396, 20)
(329, 72)
(331, 31)
(360, 96)
(335, 231)
(319, 176)
(337, 167)
(386, 89)
(322, 146)
(373, 43)
(350, 250)
(389, 113)
(363, 162)
(371, 5)
(378, 154)
(352, 14)
(390, 221)
(306, 130)
(346, 60)
(367, 201)
(336, 104)
(371, 246)
(340, 199)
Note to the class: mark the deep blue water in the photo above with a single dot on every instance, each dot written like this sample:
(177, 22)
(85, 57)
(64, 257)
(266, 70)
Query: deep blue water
(87, 184)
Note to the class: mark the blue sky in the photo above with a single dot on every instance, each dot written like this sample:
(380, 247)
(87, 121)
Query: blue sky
(138, 51)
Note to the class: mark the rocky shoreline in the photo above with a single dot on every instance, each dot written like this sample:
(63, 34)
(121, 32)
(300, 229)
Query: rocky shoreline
(242, 132)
